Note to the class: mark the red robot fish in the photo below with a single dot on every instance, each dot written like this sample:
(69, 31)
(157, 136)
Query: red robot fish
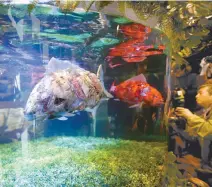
(136, 91)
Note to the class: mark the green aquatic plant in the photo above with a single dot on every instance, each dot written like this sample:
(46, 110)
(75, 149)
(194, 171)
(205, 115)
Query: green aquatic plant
(66, 38)
(121, 20)
(50, 30)
(82, 161)
(44, 10)
(105, 41)
(185, 24)
(3, 9)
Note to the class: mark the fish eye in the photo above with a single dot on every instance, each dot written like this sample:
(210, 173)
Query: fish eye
(58, 101)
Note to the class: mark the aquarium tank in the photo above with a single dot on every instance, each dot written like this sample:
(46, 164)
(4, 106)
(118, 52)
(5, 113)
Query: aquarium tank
(82, 97)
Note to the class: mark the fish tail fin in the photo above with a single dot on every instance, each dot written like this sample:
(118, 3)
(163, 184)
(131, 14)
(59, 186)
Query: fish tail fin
(139, 108)
(100, 76)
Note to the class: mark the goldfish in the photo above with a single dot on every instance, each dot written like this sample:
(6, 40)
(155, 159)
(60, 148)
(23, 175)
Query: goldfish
(135, 30)
(139, 56)
(65, 89)
(132, 51)
(137, 92)
(128, 47)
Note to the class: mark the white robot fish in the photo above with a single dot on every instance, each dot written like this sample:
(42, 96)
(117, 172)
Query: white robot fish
(64, 89)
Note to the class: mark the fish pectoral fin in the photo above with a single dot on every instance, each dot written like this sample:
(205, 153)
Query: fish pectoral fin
(62, 118)
(141, 105)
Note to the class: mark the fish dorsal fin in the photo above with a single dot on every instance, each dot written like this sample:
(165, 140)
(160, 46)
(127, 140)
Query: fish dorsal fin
(99, 73)
(139, 77)
(56, 65)
(100, 76)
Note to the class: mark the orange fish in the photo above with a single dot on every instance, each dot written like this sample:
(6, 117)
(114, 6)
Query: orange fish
(132, 51)
(135, 30)
(139, 56)
(130, 46)
(136, 92)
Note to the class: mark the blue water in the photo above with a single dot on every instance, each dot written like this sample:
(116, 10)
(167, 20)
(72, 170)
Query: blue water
(61, 36)
(43, 152)
(84, 38)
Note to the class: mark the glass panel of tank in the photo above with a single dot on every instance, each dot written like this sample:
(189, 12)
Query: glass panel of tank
(78, 74)
(125, 49)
